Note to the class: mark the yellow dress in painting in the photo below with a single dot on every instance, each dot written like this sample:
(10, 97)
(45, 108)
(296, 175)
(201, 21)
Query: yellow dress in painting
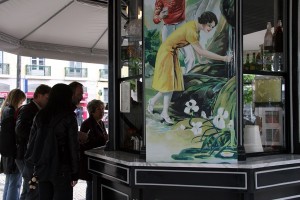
(167, 74)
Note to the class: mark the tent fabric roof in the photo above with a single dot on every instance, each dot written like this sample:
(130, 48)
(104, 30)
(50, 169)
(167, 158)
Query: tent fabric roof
(58, 29)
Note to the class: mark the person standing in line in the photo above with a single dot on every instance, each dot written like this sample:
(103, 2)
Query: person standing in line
(23, 126)
(77, 90)
(172, 14)
(53, 146)
(97, 137)
(13, 178)
(167, 74)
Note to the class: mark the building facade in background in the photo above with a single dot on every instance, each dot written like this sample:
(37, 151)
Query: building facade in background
(36, 70)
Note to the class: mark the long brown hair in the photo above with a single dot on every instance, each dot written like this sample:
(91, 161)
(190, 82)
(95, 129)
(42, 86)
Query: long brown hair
(13, 99)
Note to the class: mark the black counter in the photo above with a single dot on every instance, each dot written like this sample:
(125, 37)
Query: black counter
(120, 175)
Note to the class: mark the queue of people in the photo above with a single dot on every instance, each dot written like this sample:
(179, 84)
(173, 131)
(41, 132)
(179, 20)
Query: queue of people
(40, 142)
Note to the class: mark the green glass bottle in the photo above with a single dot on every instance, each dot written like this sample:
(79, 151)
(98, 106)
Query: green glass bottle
(253, 62)
(247, 63)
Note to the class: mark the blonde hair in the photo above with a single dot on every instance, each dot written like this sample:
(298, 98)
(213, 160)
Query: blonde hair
(14, 98)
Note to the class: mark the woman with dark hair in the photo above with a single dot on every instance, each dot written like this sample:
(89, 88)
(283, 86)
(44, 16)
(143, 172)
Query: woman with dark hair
(167, 74)
(53, 146)
(8, 150)
(97, 137)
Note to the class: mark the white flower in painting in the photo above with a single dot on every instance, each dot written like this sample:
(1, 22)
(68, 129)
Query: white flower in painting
(181, 127)
(230, 125)
(191, 106)
(211, 116)
(197, 128)
(218, 120)
(203, 115)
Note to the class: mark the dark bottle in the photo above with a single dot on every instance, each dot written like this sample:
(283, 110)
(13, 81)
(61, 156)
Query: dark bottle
(278, 47)
(247, 63)
(258, 61)
(278, 38)
(253, 62)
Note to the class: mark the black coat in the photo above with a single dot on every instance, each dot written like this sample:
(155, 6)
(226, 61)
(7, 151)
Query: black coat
(97, 137)
(23, 126)
(66, 132)
(8, 141)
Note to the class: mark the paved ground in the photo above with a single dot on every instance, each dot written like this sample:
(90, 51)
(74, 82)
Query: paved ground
(79, 189)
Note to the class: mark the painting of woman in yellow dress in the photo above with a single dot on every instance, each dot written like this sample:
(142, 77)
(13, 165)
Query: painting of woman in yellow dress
(168, 76)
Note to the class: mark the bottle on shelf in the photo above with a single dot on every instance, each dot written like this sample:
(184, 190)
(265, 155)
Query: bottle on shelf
(268, 40)
(253, 62)
(278, 47)
(247, 63)
(268, 49)
(258, 61)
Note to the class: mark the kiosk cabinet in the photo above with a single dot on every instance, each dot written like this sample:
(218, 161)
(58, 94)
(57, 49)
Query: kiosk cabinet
(203, 101)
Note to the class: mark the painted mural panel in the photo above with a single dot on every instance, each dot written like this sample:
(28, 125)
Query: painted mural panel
(190, 86)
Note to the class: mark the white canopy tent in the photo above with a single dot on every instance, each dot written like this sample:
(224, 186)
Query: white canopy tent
(74, 30)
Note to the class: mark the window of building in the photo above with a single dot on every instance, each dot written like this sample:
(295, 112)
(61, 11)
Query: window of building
(75, 67)
(74, 64)
(105, 96)
(103, 73)
(37, 61)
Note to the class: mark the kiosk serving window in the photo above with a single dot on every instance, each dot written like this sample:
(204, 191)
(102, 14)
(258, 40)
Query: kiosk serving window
(130, 78)
(265, 74)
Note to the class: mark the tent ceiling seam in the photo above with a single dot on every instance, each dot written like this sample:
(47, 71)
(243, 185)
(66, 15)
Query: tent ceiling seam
(46, 46)
(9, 39)
(103, 4)
(3, 1)
(60, 48)
(93, 47)
(39, 26)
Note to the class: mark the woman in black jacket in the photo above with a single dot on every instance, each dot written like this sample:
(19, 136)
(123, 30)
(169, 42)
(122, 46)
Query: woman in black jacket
(13, 179)
(97, 137)
(53, 146)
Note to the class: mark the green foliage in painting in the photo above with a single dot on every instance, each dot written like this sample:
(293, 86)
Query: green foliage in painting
(152, 43)
(203, 88)
(215, 134)
(227, 99)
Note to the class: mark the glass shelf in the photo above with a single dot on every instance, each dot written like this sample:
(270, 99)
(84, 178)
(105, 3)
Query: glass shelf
(130, 122)
(268, 73)
(264, 80)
